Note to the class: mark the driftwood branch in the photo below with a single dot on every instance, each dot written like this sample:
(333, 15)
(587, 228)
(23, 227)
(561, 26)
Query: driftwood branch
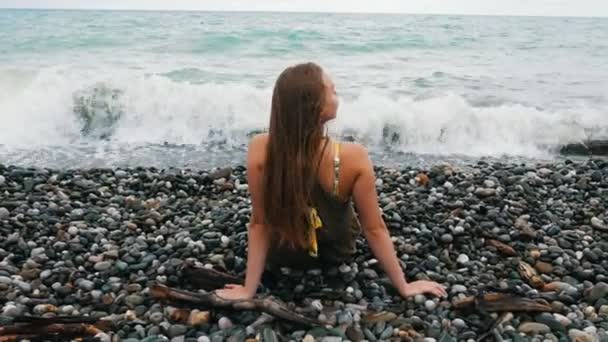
(70, 330)
(502, 302)
(56, 320)
(43, 328)
(211, 300)
(209, 279)
(501, 247)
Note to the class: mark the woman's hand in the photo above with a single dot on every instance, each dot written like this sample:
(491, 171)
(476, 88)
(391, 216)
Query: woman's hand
(423, 287)
(235, 292)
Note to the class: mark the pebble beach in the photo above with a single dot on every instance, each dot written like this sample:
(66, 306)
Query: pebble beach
(91, 242)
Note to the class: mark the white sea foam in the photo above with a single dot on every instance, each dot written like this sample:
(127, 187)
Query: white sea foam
(40, 111)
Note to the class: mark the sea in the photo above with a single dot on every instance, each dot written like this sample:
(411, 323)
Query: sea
(89, 89)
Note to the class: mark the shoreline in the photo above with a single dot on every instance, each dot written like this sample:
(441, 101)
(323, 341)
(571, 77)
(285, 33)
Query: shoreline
(92, 241)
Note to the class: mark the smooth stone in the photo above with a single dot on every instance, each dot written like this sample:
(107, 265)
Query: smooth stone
(23, 286)
(198, 318)
(459, 230)
(134, 300)
(177, 330)
(581, 336)
(37, 252)
(203, 339)
(459, 323)
(388, 332)
(419, 299)
(447, 238)
(549, 320)
(103, 337)
(563, 320)
(532, 328)
(599, 290)
(73, 230)
(317, 305)
(331, 339)
(4, 213)
(369, 273)
(237, 335)
(156, 317)
(463, 259)
(225, 323)
(459, 289)
(308, 338)
(102, 266)
(485, 192)
(345, 318)
(12, 310)
(430, 305)
(544, 267)
(86, 285)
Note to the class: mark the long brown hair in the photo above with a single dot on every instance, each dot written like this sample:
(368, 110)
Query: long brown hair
(295, 134)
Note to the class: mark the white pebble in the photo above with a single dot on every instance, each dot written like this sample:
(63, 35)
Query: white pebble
(430, 305)
(73, 230)
(459, 288)
(459, 323)
(225, 323)
(590, 330)
(308, 338)
(203, 339)
(103, 337)
(462, 259)
(317, 305)
(4, 213)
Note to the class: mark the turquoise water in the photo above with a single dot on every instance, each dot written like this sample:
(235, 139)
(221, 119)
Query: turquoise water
(107, 88)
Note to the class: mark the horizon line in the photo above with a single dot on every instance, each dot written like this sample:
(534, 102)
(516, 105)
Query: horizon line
(301, 12)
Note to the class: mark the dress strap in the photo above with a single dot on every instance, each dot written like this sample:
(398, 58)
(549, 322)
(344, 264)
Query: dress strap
(337, 170)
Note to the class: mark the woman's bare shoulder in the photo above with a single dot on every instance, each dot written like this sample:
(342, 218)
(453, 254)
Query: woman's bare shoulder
(257, 149)
(355, 158)
(258, 140)
(353, 151)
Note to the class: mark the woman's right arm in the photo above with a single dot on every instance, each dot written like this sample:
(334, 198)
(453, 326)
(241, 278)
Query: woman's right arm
(376, 232)
(258, 239)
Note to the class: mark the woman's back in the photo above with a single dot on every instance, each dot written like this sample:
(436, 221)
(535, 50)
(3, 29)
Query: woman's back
(334, 228)
(348, 154)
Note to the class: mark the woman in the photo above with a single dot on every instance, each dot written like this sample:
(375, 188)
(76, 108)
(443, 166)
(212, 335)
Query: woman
(302, 184)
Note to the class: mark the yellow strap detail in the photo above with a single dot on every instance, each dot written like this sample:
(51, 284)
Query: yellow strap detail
(315, 222)
(337, 170)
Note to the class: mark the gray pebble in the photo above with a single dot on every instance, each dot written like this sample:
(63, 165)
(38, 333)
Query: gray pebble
(4, 213)
(102, 266)
(86, 285)
(177, 330)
